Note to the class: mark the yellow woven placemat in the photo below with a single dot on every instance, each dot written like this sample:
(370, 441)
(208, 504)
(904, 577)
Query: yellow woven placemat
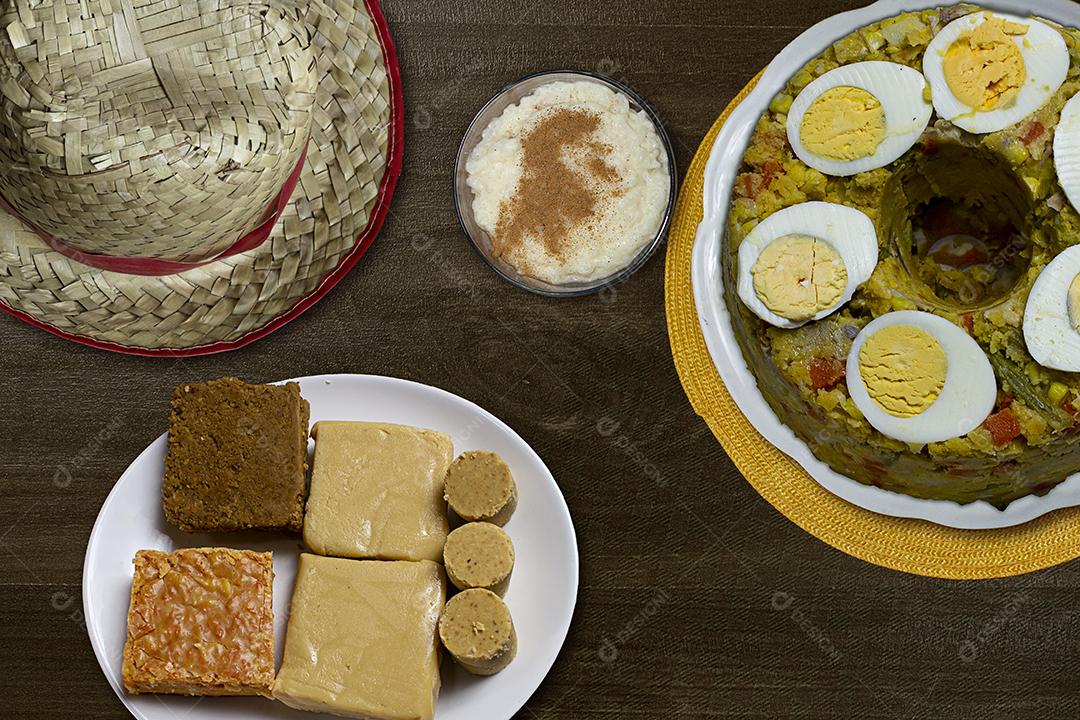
(910, 546)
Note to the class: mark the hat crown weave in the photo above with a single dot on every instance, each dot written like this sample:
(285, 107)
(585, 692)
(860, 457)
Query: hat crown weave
(151, 128)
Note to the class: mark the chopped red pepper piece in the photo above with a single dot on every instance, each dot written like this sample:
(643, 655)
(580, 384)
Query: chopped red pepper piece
(964, 256)
(770, 171)
(1004, 427)
(751, 184)
(1034, 132)
(1068, 406)
(826, 373)
(877, 471)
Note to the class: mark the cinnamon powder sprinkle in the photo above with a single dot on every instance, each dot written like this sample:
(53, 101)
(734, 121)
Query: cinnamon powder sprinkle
(563, 183)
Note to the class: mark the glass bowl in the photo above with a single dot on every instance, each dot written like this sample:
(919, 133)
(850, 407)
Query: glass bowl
(463, 195)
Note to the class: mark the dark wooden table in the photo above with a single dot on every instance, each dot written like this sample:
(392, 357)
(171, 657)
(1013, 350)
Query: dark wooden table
(681, 560)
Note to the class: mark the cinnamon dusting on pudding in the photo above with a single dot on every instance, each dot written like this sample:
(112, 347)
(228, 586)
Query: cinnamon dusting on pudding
(570, 184)
(564, 178)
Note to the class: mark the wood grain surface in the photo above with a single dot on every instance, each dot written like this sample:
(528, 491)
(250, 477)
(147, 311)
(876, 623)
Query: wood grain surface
(697, 598)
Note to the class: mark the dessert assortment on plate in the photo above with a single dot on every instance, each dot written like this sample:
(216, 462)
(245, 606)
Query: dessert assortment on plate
(369, 616)
(902, 271)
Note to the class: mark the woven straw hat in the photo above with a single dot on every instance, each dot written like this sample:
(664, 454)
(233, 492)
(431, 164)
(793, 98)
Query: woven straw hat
(182, 178)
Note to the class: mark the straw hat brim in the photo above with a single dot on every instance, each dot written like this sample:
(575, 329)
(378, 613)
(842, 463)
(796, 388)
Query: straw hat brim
(353, 163)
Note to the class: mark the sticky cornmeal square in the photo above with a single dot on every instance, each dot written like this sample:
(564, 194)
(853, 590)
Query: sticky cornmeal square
(201, 622)
(237, 457)
(377, 492)
(362, 639)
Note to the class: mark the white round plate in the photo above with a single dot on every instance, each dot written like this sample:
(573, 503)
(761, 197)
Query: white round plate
(708, 285)
(541, 596)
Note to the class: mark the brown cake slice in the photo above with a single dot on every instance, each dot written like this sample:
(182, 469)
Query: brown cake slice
(201, 622)
(237, 457)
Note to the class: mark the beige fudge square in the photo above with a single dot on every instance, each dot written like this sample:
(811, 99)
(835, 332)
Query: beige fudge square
(362, 639)
(377, 492)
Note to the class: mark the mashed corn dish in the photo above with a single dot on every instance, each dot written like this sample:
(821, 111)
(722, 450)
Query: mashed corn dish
(968, 214)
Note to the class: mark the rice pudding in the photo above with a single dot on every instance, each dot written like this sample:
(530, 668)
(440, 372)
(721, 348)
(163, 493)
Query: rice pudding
(570, 183)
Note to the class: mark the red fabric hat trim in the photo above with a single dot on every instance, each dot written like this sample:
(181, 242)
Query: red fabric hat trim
(156, 266)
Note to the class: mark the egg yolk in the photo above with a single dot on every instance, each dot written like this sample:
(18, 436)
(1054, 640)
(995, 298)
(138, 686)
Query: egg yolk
(844, 124)
(903, 369)
(1074, 303)
(984, 68)
(798, 276)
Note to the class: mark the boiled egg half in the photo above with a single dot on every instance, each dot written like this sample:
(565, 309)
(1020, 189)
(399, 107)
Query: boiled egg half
(1052, 317)
(920, 379)
(1067, 150)
(806, 261)
(989, 71)
(859, 117)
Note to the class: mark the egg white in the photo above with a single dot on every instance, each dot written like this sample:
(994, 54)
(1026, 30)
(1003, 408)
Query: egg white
(899, 89)
(1048, 331)
(966, 400)
(1067, 150)
(1045, 54)
(847, 230)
